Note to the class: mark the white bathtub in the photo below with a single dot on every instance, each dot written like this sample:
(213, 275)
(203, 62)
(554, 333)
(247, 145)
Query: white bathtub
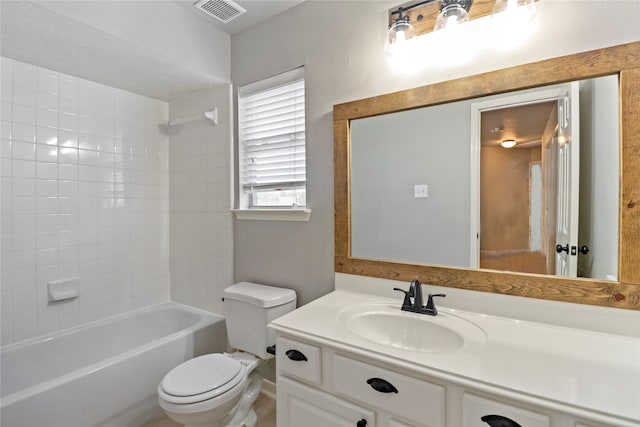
(104, 373)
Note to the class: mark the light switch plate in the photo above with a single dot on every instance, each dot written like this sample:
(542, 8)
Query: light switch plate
(421, 191)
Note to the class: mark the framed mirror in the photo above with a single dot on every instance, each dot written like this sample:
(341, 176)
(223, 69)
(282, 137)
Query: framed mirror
(439, 187)
(620, 63)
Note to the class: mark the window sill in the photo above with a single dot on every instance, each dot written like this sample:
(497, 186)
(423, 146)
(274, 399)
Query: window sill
(273, 214)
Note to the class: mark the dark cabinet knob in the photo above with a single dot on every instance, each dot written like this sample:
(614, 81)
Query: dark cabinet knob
(560, 248)
(499, 421)
(383, 386)
(584, 249)
(296, 355)
(361, 423)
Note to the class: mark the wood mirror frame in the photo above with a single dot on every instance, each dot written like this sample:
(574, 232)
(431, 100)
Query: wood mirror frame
(623, 60)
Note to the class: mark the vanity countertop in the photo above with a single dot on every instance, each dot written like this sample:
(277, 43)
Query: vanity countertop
(572, 370)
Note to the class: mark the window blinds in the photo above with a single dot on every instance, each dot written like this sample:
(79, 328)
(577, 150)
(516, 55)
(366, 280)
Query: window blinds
(272, 135)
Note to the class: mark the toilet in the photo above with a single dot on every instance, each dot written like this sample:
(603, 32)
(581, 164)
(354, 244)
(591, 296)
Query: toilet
(219, 390)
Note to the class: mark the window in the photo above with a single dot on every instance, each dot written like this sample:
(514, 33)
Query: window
(272, 162)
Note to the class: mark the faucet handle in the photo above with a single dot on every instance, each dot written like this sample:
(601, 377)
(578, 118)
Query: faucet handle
(430, 304)
(407, 296)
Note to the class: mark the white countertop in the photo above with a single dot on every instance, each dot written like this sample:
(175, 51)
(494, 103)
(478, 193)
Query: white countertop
(571, 370)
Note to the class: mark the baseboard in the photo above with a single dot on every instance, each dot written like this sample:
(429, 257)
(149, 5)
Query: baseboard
(268, 389)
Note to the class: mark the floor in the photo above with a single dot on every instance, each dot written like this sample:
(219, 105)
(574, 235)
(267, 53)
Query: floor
(265, 408)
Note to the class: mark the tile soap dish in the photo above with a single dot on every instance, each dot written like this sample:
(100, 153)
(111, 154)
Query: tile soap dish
(63, 289)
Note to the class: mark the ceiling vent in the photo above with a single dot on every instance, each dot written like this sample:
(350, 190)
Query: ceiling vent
(222, 10)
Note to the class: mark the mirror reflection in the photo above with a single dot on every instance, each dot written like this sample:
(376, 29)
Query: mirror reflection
(435, 186)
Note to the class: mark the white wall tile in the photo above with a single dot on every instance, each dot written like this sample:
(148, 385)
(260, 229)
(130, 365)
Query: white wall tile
(47, 81)
(23, 132)
(24, 114)
(62, 184)
(67, 138)
(47, 100)
(5, 130)
(47, 135)
(23, 169)
(201, 261)
(24, 95)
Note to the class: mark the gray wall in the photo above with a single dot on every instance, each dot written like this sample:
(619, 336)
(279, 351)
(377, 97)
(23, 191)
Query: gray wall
(341, 46)
(393, 152)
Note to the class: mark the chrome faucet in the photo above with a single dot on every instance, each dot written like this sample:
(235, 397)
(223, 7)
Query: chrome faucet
(417, 306)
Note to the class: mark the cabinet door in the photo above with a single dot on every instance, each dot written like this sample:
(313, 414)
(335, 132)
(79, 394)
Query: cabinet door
(299, 405)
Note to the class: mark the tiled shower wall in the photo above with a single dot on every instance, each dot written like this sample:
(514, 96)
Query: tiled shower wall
(85, 193)
(200, 182)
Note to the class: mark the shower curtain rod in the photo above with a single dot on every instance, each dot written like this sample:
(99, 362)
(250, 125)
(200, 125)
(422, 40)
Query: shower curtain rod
(210, 115)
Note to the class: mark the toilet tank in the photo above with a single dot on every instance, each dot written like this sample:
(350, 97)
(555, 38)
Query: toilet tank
(248, 309)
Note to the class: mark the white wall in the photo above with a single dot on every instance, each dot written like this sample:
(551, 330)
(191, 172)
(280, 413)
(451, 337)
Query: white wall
(340, 44)
(84, 193)
(199, 175)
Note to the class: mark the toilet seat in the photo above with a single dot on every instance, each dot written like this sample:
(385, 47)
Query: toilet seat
(201, 378)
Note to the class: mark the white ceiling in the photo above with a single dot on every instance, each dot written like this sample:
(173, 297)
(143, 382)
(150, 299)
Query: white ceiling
(158, 48)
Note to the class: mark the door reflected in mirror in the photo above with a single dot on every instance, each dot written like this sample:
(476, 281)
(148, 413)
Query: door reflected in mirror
(434, 186)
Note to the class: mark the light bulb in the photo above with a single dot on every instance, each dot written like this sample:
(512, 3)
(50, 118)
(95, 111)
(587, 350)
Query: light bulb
(400, 39)
(510, 22)
(451, 16)
(518, 12)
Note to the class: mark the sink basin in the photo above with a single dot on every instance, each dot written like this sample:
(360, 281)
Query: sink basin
(387, 325)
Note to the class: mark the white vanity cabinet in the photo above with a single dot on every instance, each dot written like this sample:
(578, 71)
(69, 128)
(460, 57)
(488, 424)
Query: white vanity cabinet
(337, 364)
(321, 386)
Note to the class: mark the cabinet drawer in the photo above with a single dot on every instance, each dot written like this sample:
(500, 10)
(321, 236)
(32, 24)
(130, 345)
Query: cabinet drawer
(474, 408)
(302, 406)
(399, 394)
(298, 359)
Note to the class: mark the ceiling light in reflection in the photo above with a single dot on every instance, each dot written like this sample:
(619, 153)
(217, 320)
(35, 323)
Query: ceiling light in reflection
(508, 143)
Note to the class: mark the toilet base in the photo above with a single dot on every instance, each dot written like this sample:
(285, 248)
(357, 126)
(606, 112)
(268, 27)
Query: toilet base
(242, 415)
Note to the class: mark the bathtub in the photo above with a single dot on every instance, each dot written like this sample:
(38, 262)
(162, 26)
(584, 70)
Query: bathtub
(104, 373)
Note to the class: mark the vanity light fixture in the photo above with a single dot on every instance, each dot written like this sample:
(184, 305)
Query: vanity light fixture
(401, 32)
(414, 19)
(508, 143)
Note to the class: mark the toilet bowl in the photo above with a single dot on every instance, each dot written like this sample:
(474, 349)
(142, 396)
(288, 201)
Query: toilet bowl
(214, 390)
(218, 390)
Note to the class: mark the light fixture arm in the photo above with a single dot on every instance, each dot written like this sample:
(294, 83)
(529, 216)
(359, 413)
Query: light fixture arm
(466, 4)
(401, 9)
(401, 17)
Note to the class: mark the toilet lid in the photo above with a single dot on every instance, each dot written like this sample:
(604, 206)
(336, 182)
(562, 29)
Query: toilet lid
(201, 375)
